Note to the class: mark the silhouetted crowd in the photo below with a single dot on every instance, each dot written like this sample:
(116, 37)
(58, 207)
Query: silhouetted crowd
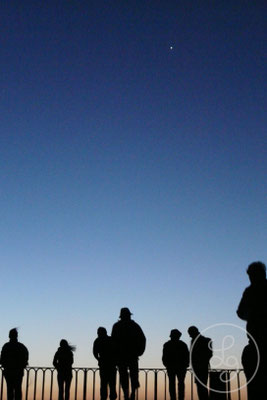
(121, 351)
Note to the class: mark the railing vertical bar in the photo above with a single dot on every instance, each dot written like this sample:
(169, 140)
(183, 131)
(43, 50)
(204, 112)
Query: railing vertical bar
(76, 384)
(35, 383)
(146, 372)
(51, 383)
(43, 384)
(2, 384)
(27, 383)
(94, 373)
(84, 384)
(165, 385)
(155, 384)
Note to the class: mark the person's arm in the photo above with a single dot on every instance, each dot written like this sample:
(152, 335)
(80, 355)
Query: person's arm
(55, 360)
(164, 357)
(141, 341)
(243, 310)
(95, 350)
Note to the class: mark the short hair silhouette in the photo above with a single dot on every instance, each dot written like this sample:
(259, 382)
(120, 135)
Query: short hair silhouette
(101, 331)
(175, 334)
(193, 331)
(257, 269)
(13, 333)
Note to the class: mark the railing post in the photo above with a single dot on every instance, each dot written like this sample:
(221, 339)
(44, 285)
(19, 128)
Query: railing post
(156, 385)
(94, 371)
(2, 384)
(76, 384)
(51, 383)
(84, 384)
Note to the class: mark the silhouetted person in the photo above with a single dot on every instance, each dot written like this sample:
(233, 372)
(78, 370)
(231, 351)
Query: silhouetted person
(249, 361)
(200, 355)
(104, 352)
(63, 360)
(14, 358)
(175, 358)
(253, 309)
(130, 343)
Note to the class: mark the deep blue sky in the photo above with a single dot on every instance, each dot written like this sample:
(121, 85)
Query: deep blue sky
(131, 174)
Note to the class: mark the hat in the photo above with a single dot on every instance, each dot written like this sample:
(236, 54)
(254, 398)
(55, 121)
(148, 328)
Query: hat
(175, 333)
(125, 312)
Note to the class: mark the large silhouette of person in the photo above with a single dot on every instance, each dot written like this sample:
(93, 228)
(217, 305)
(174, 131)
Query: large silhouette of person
(250, 364)
(200, 355)
(130, 344)
(104, 352)
(253, 309)
(175, 358)
(14, 359)
(63, 360)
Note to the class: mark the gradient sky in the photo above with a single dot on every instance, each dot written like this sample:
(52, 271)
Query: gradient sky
(132, 174)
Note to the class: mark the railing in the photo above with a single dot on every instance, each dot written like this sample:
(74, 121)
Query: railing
(40, 383)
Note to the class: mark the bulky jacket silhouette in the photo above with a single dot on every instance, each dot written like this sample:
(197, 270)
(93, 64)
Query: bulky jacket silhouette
(130, 343)
(175, 358)
(14, 359)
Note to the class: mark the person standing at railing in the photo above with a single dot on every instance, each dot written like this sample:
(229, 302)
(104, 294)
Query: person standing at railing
(104, 352)
(253, 309)
(130, 343)
(63, 360)
(200, 355)
(175, 358)
(14, 359)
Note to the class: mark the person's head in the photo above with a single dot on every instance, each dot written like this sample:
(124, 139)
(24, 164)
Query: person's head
(175, 334)
(64, 345)
(256, 272)
(101, 332)
(125, 314)
(193, 331)
(13, 334)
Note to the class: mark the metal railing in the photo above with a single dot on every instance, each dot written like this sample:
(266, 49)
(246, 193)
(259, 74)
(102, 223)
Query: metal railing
(40, 383)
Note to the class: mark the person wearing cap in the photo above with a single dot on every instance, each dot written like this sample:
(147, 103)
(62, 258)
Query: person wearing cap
(130, 343)
(253, 309)
(14, 358)
(104, 352)
(200, 355)
(175, 358)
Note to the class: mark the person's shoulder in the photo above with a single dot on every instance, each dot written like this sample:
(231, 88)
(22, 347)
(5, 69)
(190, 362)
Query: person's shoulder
(167, 344)
(6, 346)
(22, 346)
(182, 343)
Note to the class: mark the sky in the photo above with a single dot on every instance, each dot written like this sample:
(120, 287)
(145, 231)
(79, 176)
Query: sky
(132, 167)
